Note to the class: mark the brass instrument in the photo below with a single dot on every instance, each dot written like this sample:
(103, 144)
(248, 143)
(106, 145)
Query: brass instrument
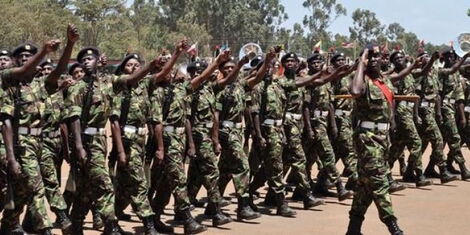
(462, 44)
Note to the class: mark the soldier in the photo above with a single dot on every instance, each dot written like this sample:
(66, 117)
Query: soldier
(452, 102)
(27, 95)
(343, 143)
(406, 133)
(89, 107)
(374, 112)
(427, 87)
(316, 111)
(465, 74)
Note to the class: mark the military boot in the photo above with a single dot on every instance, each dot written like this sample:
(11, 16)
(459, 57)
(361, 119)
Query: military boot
(393, 227)
(343, 194)
(450, 167)
(430, 171)
(465, 173)
(395, 186)
(354, 227)
(320, 188)
(219, 218)
(282, 208)
(149, 226)
(421, 181)
(27, 223)
(97, 220)
(446, 177)
(62, 221)
(123, 216)
(15, 229)
(409, 176)
(244, 211)
(351, 184)
(297, 195)
(311, 201)
(179, 217)
(251, 203)
(77, 227)
(191, 226)
(112, 228)
(162, 227)
(401, 161)
(270, 198)
(224, 202)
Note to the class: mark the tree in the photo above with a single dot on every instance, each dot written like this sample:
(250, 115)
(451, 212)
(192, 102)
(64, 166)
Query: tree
(366, 27)
(394, 31)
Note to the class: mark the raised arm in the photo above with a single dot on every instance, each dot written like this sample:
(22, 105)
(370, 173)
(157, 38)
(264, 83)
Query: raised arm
(24, 72)
(197, 81)
(338, 73)
(234, 74)
(263, 69)
(134, 78)
(166, 69)
(405, 72)
(427, 68)
(457, 65)
(357, 86)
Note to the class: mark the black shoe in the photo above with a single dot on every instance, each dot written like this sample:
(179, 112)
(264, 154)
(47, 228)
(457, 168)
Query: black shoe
(311, 201)
(270, 198)
(113, 228)
(322, 191)
(179, 217)
(395, 186)
(452, 170)
(354, 227)
(351, 185)
(393, 227)
(63, 222)
(282, 208)
(430, 172)
(77, 227)
(244, 211)
(445, 176)
(46, 231)
(149, 226)
(297, 195)
(13, 229)
(465, 174)
(409, 176)
(421, 181)
(402, 163)
(197, 203)
(343, 194)
(97, 221)
(162, 227)
(191, 226)
(252, 204)
(224, 202)
(123, 216)
(219, 218)
(27, 224)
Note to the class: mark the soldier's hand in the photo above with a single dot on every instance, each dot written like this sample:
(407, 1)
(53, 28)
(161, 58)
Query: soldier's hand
(217, 148)
(191, 151)
(311, 135)
(82, 156)
(103, 60)
(52, 45)
(159, 154)
(463, 122)
(122, 159)
(14, 168)
(72, 33)
(271, 54)
(224, 56)
(334, 132)
(262, 142)
(182, 45)
(365, 56)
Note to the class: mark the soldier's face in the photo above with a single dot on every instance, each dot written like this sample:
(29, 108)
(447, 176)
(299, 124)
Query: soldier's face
(23, 57)
(291, 63)
(374, 63)
(131, 66)
(78, 73)
(400, 60)
(340, 61)
(227, 68)
(316, 64)
(47, 69)
(90, 62)
(5, 62)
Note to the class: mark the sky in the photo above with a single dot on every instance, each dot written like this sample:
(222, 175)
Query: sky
(434, 21)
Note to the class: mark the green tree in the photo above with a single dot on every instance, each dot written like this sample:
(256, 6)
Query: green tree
(366, 27)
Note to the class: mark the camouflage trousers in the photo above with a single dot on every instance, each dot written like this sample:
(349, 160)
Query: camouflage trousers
(233, 162)
(465, 132)
(293, 155)
(204, 167)
(50, 154)
(450, 134)
(93, 182)
(343, 145)
(29, 187)
(273, 159)
(372, 185)
(3, 174)
(170, 177)
(430, 133)
(321, 149)
(131, 184)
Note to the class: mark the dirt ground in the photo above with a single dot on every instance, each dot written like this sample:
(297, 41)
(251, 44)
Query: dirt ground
(438, 209)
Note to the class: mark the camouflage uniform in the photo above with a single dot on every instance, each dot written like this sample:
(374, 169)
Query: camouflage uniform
(343, 144)
(428, 89)
(6, 108)
(29, 188)
(451, 92)
(371, 146)
(465, 133)
(131, 184)
(93, 181)
(233, 160)
(406, 133)
(174, 178)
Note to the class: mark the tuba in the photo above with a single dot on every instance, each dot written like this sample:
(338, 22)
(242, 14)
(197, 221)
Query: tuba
(462, 44)
(251, 50)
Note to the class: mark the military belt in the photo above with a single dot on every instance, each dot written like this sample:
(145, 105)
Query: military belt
(172, 129)
(319, 113)
(51, 134)
(272, 122)
(94, 131)
(293, 116)
(467, 109)
(407, 103)
(231, 124)
(135, 130)
(341, 112)
(29, 131)
(374, 125)
(449, 101)
(206, 124)
(428, 104)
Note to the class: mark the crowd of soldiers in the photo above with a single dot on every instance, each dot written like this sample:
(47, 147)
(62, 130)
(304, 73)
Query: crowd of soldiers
(253, 121)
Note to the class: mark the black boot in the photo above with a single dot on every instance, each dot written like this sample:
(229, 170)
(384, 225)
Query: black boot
(197, 203)
(244, 211)
(409, 176)
(393, 227)
(311, 201)
(123, 216)
(401, 161)
(430, 171)
(421, 181)
(63, 222)
(46, 231)
(27, 224)
(351, 184)
(354, 227)
(464, 173)
(179, 217)
(320, 188)
(77, 227)
(270, 198)
(149, 226)
(282, 208)
(97, 220)
(162, 227)
(219, 218)
(446, 176)
(112, 228)
(451, 168)
(251, 203)
(343, 194)
(191, 226)
(224, 202)
(15, 229)
(297, 195)
(395, 186)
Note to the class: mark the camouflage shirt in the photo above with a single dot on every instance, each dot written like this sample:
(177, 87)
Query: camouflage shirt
(341, 87)
(174, 97)
(450, 86)
(319, 97)
(31, 96)
(53, 111)
(373, 106)
(232, 101)
(138, 100)
(427, 87)
(6, 101)
(203, 103)
(101, 101)
(274, 97)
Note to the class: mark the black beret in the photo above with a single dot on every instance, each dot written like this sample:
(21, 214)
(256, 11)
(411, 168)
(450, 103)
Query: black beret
(422, 52)
(197, 65)
(336, 56)
(5, 53)
(87, 51)
(25, 47)
(447, 51)
(290, 55)
(124, 61)
(315, 56)
(395, 53)
(46, 62)
(73, 66)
